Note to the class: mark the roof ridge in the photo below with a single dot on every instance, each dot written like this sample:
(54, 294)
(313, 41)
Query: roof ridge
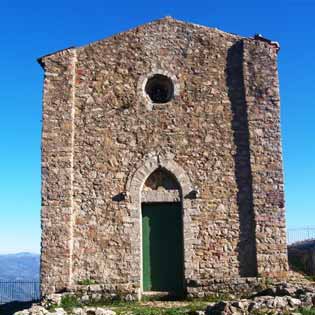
(166, 18)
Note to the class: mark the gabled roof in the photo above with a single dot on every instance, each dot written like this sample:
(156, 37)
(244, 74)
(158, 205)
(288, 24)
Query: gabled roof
(166, 20)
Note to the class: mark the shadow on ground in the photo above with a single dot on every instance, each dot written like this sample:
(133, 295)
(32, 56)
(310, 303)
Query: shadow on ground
(12, 307)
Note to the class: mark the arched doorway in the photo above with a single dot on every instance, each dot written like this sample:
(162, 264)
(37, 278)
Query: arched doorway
(162, 234)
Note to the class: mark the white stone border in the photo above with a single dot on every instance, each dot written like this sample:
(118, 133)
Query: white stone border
(134, 188)
(148, 166)
(143, 81)
(160, 196)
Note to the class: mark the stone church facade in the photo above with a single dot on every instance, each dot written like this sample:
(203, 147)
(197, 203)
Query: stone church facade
(162, 163)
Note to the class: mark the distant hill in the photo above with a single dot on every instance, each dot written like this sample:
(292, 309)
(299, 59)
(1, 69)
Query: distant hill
(19, 267)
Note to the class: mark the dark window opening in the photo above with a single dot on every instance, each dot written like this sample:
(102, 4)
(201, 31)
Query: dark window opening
(160, 88)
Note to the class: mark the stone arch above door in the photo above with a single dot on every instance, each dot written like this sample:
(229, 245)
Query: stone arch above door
(161, 186)
(134, 187)
(147, 167)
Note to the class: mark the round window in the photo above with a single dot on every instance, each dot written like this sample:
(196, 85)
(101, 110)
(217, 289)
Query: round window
(159, 88)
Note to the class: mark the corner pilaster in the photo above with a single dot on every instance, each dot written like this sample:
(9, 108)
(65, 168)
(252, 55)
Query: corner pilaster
(263, 109)
(57, 170)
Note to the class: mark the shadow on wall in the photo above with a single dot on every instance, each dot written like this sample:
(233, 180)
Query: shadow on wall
(243, 174)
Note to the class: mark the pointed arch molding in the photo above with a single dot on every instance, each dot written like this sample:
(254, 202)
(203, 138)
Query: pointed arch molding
(190, 207)
(147, 167)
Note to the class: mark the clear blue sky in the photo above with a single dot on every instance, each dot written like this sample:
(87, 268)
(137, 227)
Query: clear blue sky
(30, 29)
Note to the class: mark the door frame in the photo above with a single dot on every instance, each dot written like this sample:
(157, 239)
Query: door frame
(134, 187)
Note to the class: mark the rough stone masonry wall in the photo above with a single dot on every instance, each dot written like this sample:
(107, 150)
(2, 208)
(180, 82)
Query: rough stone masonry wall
(104, 129)
(57, 170)
(263, 106)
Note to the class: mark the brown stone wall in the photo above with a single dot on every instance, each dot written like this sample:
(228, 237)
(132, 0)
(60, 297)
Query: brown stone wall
(205, 136)
(263, 102)
(57, 169)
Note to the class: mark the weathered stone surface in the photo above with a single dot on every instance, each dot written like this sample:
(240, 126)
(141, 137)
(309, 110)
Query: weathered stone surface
(51, 300)
(219, 136)
(24, 312)
(39, 310)
(300, 297)
(277, 303)
(34, 310)
(59, 311)
(104, 311)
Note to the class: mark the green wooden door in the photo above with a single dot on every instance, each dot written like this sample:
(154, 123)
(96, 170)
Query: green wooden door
(162, 244)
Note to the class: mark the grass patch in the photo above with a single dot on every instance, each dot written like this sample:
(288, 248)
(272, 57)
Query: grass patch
(305, 311)
(144, 307)
(310, 278)
(212, 298)
(68, 302)
(87, 282)
(139, 309)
